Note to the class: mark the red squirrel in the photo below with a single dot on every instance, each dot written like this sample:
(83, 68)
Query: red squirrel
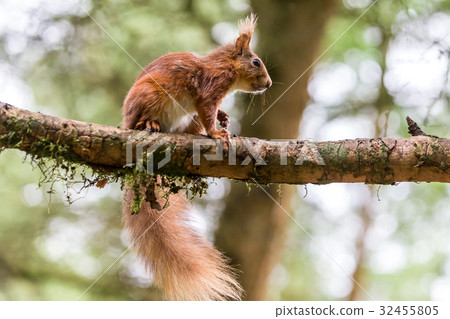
(182, 92)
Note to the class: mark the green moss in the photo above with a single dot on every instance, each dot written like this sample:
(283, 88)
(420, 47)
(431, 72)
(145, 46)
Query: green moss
(249, 187)
(379, 154)
(336, 160)
(335, 154)
(140, 181)
(58, 164)
(280, 191)
(432, 154)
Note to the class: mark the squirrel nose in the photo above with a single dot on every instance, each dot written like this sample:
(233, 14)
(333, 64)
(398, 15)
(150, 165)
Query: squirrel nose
(268, 84)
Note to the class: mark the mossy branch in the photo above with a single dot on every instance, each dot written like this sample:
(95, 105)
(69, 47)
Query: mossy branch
(104, 148)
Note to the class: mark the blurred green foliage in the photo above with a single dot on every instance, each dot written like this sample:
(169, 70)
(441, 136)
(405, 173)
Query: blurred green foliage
(406, 250)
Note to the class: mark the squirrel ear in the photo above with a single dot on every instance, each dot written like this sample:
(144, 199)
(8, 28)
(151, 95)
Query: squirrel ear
(242, 43)
(246, 28)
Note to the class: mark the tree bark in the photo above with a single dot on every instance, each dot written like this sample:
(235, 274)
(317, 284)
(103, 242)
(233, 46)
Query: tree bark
(372, 161)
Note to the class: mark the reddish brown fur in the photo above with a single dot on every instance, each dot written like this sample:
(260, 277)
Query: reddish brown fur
(183, 263)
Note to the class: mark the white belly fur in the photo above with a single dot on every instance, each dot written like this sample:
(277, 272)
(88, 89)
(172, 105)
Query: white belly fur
(177, 116)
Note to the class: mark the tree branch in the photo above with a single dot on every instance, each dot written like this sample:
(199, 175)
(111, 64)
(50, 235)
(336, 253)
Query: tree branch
(374, 161)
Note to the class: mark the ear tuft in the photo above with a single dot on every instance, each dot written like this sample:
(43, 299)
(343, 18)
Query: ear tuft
(247, 25)
(246, 28)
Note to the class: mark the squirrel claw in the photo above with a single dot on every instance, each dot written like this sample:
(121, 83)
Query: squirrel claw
(222, 135)
(150, 126)
(139, 126)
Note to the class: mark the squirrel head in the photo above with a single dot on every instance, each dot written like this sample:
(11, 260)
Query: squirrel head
(252, 73)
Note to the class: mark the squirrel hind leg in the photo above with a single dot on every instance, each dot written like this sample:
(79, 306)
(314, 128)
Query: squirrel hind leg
(195, 126)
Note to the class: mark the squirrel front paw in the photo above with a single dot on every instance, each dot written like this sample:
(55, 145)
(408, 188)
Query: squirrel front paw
(222, 135)
(224, 119)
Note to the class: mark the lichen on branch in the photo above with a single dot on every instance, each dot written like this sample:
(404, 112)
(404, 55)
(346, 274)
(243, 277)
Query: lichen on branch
(104, 149)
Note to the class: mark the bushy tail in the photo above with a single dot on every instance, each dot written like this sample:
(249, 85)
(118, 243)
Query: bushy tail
(183, 264)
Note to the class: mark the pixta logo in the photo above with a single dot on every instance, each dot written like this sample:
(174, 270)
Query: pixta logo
(140, 153)
(144, 153)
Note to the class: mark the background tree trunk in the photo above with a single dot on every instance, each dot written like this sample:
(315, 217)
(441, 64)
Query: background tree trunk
(252, 228)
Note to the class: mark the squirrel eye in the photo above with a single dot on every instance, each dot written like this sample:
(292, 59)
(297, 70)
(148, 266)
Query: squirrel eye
(256, 63)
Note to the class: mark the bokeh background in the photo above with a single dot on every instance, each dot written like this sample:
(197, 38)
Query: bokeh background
(393, 61)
